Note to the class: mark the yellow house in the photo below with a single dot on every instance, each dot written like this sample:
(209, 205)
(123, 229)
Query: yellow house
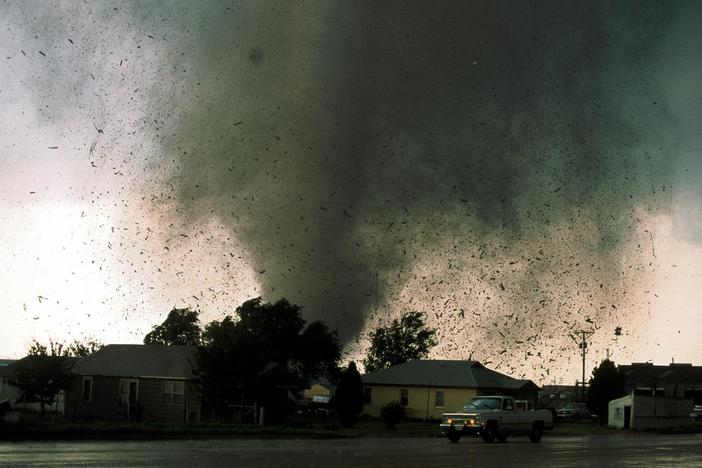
(428, 388)
(318, 389)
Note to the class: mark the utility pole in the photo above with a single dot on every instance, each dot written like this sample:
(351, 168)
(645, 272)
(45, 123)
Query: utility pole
(583, 335)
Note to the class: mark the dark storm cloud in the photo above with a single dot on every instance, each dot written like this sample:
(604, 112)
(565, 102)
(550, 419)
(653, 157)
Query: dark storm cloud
(340, 141)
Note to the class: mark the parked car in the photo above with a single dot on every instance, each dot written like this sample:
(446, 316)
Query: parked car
(573, 412)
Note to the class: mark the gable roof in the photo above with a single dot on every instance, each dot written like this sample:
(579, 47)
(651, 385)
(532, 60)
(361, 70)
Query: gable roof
(120, 360)
(444, 373)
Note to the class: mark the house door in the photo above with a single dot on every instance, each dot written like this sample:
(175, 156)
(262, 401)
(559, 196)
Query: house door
(128, 391)
(627, 417)
(129, 399)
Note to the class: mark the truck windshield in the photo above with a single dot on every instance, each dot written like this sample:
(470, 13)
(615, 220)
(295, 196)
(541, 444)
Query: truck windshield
(483, 403)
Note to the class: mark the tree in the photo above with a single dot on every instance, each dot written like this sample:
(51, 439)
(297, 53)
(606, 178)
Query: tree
(261, 353)
(606, 384)
(83, 349)
(181, 327)
(405, 339)
(348, 399)
(43, 373)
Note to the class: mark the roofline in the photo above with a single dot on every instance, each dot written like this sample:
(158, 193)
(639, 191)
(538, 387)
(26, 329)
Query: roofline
(428, 385)
(136, 376)
(480, 387)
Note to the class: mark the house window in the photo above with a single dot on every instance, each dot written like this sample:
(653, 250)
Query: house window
(404, 396)
(439, 399)
(367, 395)
(172, 392)
(87, 389)
(652, 391)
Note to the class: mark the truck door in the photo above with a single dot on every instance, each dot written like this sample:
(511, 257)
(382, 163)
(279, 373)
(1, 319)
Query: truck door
(510, 415)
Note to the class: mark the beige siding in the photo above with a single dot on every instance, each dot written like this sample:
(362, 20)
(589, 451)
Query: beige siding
(420, 402)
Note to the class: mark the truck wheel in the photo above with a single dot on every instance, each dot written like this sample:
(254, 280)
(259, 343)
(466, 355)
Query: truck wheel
(453, 436)
(537, 430)
(490, 432)
(502, 437)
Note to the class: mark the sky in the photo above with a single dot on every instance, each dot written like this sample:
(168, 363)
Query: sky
(517, 171)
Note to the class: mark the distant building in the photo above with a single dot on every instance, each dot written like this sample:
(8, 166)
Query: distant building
(428, 388)
(6, 362)
(659, 397)
(320, 388)
(555, 396)
(135, 383)
(13, 395)
(4, 386)
(650, 412)
(8, 392)
(672, 380)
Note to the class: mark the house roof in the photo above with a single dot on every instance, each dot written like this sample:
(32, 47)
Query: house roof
(7, 369)
(444, 373)
(646, 373)
(10, 368)
(6, 366)
(120, 360)
(323, 382)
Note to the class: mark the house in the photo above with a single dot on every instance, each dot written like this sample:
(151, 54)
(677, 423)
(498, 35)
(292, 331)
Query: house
(7, 392)
(11, 394)
(135, 383)
(637, 411)
(556, 396)
(672, 380)
(320, 389)
(428, 388)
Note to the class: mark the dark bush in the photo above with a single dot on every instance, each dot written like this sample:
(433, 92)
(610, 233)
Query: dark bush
(348, 399)
(392, 413)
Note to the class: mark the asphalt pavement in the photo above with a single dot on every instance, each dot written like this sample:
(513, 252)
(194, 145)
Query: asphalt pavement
(621, 449)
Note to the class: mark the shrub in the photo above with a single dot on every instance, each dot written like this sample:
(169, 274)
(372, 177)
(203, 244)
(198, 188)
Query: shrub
(348, 399)
(392, 413)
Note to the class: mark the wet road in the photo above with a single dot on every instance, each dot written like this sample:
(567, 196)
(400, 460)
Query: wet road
(622, 449)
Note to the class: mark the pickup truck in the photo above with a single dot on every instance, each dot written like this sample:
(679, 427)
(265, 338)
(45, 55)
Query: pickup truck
(496, 417)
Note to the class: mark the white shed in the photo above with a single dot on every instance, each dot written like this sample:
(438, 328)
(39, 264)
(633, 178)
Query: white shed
(620, 412)
(650, 412)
